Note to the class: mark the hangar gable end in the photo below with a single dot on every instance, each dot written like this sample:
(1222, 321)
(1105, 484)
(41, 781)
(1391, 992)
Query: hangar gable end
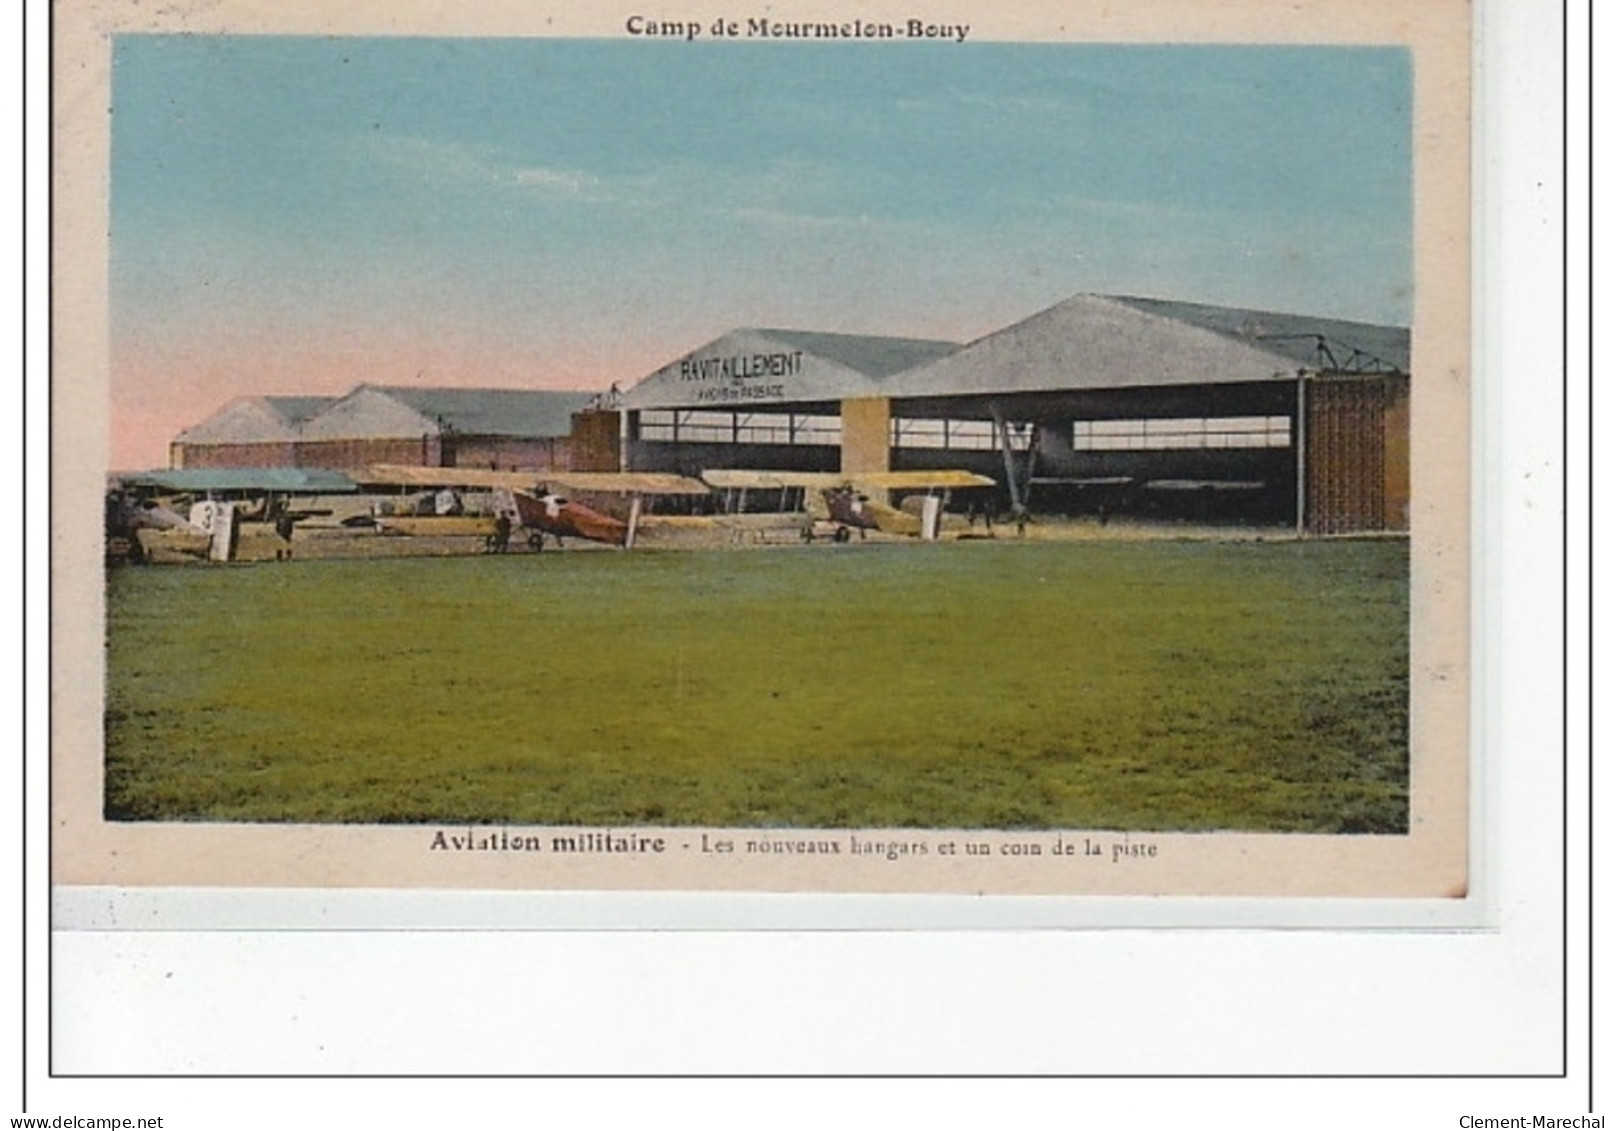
(369, 413)
(253, 420)
(760, 367)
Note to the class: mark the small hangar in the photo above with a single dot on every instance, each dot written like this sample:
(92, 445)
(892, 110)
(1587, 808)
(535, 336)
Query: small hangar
(1100, 404)
(383, 424)
(247, 432)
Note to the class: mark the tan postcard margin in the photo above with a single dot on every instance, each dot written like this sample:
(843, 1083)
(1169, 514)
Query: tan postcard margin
(1431, 861)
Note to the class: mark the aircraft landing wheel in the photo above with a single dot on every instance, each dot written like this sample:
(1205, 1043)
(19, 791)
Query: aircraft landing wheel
(535, 542)
(842, 534)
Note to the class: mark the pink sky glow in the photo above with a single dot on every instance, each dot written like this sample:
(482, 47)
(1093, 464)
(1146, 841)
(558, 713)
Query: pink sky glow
(157, 394)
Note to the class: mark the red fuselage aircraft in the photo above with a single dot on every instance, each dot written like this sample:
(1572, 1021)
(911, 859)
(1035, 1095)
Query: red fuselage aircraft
(561, 518)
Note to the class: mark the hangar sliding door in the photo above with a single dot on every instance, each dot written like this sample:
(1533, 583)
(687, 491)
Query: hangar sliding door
(1356, 456)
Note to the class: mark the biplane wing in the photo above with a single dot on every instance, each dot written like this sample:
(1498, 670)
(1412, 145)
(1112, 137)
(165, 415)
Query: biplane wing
(844, 498)
(537, 499)
(729, 479)
(623, 482)
(482, 479)
(943, 480)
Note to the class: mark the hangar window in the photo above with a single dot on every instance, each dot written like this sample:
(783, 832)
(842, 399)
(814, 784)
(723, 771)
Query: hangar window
(816, 430)
(657, 424)
(1184, 432)
(959, 435)
(762, 428)
(693, 427)
(972, 435)
(919, 433)
(706, 427)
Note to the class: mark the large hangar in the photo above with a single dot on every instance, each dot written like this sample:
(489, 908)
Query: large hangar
(788, 400)
(1102, 404)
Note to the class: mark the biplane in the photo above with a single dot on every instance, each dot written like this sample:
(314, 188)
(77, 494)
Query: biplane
(837, 504)
(214, 514)
(560, 517)
(537, 505)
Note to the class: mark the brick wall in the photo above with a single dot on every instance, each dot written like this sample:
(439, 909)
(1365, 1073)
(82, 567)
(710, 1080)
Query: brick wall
(596, 444)
(501, 453)
(352, 455)
(277, 454)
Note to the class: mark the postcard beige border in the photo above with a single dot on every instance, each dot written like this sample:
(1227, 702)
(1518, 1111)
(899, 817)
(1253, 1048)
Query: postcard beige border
(1433, 860)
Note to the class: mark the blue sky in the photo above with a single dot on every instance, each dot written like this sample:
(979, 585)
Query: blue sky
(291, 212)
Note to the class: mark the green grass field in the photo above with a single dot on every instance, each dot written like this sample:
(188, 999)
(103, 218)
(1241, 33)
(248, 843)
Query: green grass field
(1135, 685)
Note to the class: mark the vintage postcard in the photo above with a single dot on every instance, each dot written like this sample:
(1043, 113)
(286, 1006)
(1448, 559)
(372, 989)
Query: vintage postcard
(864, 449)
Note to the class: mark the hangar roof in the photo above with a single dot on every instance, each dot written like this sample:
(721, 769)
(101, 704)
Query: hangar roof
(255, 420)
(1316, 343)
(1114, 342)
(380, 411)
(872, 356)
(295, 410)
(391, 411)
(495, 412)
